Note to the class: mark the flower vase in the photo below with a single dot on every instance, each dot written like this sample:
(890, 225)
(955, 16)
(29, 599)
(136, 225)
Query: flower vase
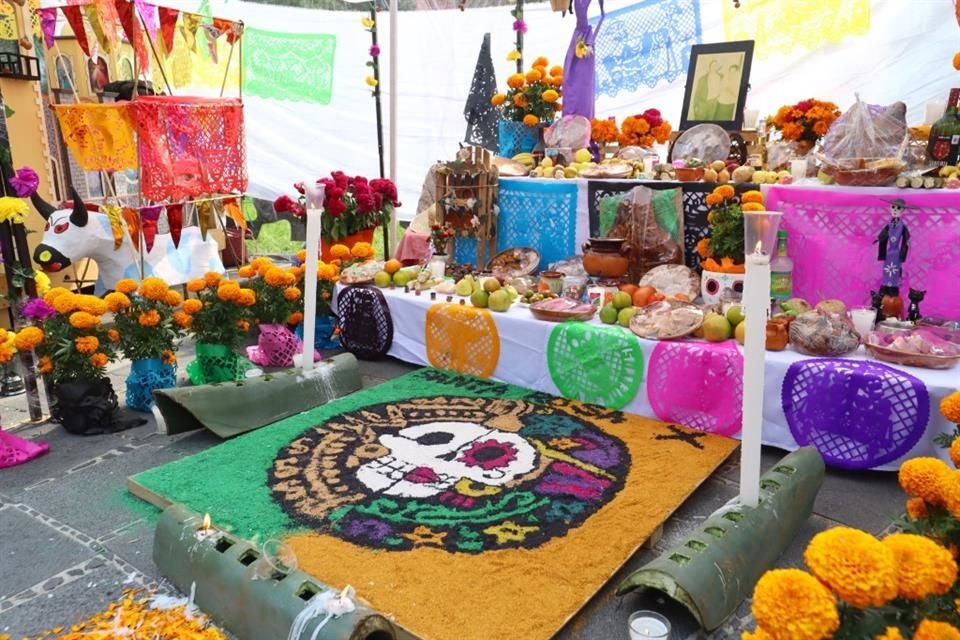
(803, 147)
(217, 363)
(361, 236)
(85, 407)
(146, 375)
(324, 333)
(275, 347)
(438, 266)
(516, 137)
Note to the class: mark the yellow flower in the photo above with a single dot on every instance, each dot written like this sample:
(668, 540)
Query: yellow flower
(326, 271)
(291, 294)
(854, 565)
(916, 508)
(371, 81)
(113, 335)
(790, 604)
(950, 407)
(550, 96)
(295, 318)
(154, 289)
(149, 319)
(83, 320)
(275, 277)
(53, 294)
(246, 298)
(340, 251)
(933, 630)
(29, 338)
(948, 492)
(531, 120)
(117, 301)
(99, 360)
(173, 299)
(127, 286)
(92, 305)
(261, 264)
(920, 477)
(246, 271)
(212, 278)
(46, 365)
(182, 319)
(583, 49)
(752, 196)
(891, 633)
(42, 282)
(196, 286)
(713, 199)
(86, 344)
(924, 568)
(556, 71)
(513, 55)
(367, 22)
(509, 531)
(12, 209)
(192, 306)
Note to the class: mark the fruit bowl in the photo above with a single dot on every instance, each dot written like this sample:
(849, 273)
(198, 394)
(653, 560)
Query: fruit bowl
(562, 310)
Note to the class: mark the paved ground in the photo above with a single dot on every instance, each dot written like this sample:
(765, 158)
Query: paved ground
(71, 539)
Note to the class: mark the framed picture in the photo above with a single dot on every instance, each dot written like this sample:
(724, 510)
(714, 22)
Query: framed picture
(717, 84)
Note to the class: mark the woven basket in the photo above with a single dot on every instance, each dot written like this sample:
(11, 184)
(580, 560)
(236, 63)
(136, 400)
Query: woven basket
(366, 328)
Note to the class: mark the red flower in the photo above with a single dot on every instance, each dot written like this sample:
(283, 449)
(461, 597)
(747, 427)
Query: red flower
(386, 189)
(283, 204)
(335, 207)
(805, 105)
(653, 117)
(340, 179)
(299, 187)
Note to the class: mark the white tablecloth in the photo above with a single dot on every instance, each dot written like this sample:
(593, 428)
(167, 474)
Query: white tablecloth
(523, 362)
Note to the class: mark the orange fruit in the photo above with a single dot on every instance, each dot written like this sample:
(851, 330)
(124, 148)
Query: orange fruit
(629, 289)
(392, 266)
(642, 296)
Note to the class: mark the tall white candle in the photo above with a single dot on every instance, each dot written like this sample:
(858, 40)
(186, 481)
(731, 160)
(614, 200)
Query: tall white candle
(756, 307)
(315, 193)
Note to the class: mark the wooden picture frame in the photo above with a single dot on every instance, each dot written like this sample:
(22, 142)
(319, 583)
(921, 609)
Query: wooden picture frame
(717, 74)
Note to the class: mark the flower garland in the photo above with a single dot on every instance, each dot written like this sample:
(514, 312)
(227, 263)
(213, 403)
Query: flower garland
(807, 120)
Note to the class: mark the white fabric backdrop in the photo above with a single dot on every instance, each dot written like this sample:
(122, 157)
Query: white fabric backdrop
(905, 56)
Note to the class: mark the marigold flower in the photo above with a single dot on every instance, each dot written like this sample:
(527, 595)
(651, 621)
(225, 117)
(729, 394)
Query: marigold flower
(127, 286)
(113, 335)
(531, 120)
(541, 61)
(295, 318)
(182, 319)
(243, 325)
(168, 357)
(556, 70)
(302, 256)
(948, 492)
(726, 191)
(83, 320)
(291, 294)
(92, 305)
(854, 565)
(753, 206)
(534, 75)
(520, 100)
(516, 81)
(340, 251)
(550, 96)
(790, 604)
(192, 306)
(196, 286)
(64, 304)
(53, 294)
(703, 247)
(42, 282)
(117, 301)
(934, 630)
(261, 264)
(86, 344)
(924, 568)
(99, 360)
(362, 250)
(149, 319)
(246, 271)
(949, 406)
(173, 298)
(28, 338)
(45, 365)
(275, 276)
(920, 477)
(891, 633)
(153, 289)
(246, 298)
(752, 196)
(713, 199)
(212, 278)
(326, 271)
(916, 508)
(229, 290)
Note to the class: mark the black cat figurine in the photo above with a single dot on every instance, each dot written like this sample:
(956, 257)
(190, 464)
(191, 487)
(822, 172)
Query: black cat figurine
(916, 297)
(876, 299)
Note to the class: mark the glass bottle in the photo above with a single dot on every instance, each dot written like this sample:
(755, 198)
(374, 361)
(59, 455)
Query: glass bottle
(943, 147)
(781, 271)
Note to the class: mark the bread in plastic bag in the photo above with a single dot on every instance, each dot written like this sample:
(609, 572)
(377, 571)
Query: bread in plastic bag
(571, 132)
(865, 145)
(652, 224)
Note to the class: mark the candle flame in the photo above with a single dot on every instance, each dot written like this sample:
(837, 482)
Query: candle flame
(759, 248)
(206, 526)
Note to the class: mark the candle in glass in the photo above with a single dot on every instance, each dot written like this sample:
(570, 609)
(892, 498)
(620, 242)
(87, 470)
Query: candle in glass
(648, 625)
(863, 318)
(314, 193)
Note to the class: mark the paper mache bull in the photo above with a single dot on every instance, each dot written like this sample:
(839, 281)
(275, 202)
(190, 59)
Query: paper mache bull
(81, 231)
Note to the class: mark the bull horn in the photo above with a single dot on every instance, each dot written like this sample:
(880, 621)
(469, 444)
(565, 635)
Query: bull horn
(41, 205)
(79, 216)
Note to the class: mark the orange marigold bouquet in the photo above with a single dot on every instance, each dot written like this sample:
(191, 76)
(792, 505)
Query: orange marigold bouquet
(807, 120)
(644, 130)
(145, 319)
(604, 131)
(219, 318)
(328, 273)
(534, 97)
(276, 290)
(71, 343)
(723, 250)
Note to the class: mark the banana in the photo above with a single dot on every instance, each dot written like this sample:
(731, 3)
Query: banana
(947, 171)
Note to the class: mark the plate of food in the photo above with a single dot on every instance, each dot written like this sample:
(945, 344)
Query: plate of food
(561, 310)
(667, 320)
(915, 348)
(361, 273)
(673, 280)
(514, 262)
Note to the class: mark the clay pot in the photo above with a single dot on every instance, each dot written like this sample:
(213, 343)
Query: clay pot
(778, 335)
(892, 306)
(688, 174)
(606, 257)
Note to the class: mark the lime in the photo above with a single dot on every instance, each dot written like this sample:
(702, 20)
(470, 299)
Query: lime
(622, 300)
(625, 314)
(382, 279)
(480, 299)
(608, 315)
(491, 284)
(735, 315)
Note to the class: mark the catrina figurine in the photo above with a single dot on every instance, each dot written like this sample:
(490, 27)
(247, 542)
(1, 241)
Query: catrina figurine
(916, 297)
(894, 241)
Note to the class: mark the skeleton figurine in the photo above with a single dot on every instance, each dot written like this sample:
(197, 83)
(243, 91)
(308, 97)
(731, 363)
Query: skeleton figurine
(916, 297)
(894, 241)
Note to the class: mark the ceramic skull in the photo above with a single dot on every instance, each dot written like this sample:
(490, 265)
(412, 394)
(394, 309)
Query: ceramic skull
(427, 459)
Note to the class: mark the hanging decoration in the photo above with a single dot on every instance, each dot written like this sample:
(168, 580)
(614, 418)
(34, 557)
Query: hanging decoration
(148, 13)
(274, 65)
(74, 15)
(106, 15)
(168, 22)
(175, 222)
(149, 217)
(132, 220)
(48, 24)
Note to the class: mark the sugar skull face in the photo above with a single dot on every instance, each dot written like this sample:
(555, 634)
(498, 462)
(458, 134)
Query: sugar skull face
(427, 459)
(713, 284)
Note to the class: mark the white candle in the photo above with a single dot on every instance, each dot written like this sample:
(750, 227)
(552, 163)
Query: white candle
(756, 307)
(935, 109)
(315, 193)
(647, 625)
(750, 117)
(863, 318)
(798, 169)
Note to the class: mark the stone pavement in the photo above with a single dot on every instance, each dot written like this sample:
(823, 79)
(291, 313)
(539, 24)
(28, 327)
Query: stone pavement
(71, 538)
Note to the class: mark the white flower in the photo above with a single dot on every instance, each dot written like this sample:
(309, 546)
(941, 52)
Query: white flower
(471, 203)
(475, 221)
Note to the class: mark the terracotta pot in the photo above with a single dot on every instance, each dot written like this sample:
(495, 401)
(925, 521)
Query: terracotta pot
(606, 257)
(686, 174)
(361, 236)
(777, 335)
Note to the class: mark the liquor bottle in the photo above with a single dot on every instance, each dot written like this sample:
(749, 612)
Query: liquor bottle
(781, 270)
(943, 148)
